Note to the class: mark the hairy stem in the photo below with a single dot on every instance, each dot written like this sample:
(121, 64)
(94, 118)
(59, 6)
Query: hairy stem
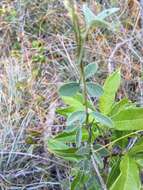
(80, 41)
(84, 91)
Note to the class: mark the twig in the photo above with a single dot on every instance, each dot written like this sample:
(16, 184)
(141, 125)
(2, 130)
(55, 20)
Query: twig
(113, 142)
(98, 173)
(110, 60)
(34, 156)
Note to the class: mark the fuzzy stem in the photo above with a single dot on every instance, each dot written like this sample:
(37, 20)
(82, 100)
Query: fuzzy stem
(84, 91)
(80, 41)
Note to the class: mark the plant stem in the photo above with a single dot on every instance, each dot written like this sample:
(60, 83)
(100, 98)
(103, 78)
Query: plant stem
(80, 41)
(84, 91)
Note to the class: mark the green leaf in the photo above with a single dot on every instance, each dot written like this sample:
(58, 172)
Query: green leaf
(54, 144)
(76, 181)
(76, 117)
(129, 176)
(65, 111)
(110, 88)
(79, 180)
(102, 119)
(70, 137)
(94, 90)
(69, 89)
(108, 12)
(76, 102)
(70, 128)
(93, 183)
(139, 161)
(92, 20)
(66, 137)
(128, 119)
(90, 70)
(89, 15)
(121, 105)
(62, 150)
(115, 170)
(69, 154)
(101, 23)
(84, 150)
(79, 137)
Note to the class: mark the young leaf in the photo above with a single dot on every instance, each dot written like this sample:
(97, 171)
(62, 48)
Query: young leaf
(110, 88)
(76, 117)
(94, 90)
(128, 177)
(89, 15)
(92, 19)
(128, 119)
(69, 89)
(106, 13)
(102, 119)
(90, 70)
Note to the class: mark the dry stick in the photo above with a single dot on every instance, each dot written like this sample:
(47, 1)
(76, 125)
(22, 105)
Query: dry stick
(113, 142)
(110, 60)
(73, 66)
(34, 156)
(141, 4)
(98, 173)
(141, 64)
(137, 18)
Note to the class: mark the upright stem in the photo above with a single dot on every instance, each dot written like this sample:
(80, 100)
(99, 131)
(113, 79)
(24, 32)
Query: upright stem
(80, 53)
(85, 95)
(80, 41)
(83, 80)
